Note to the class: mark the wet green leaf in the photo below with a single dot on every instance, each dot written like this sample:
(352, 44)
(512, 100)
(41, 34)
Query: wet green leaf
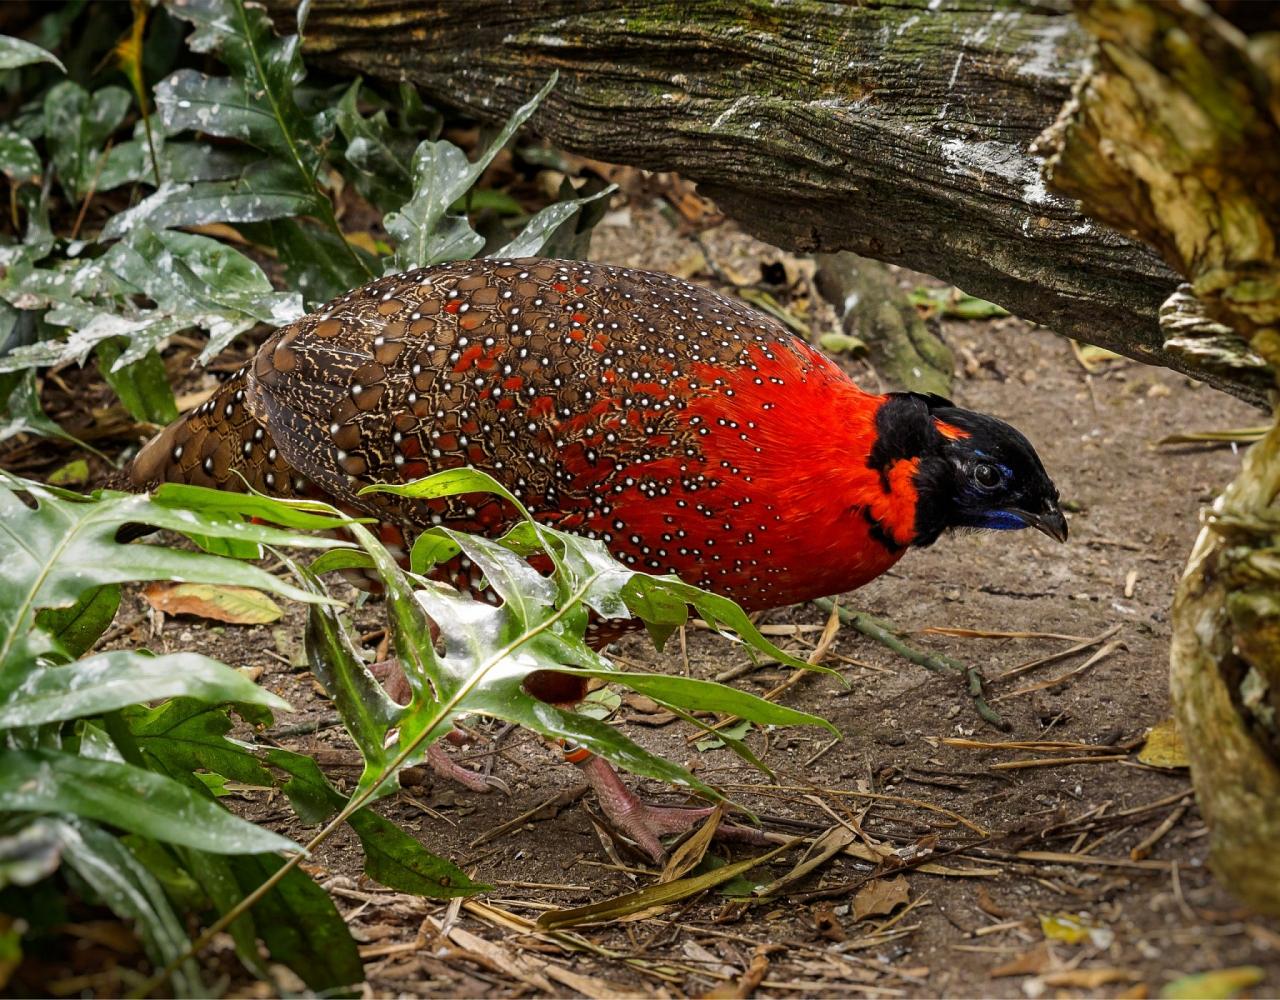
(185, 734)
(317, 263)
(193, 280)
(29, 853)
(539, 231)
(122, 677)
(129, 797)
(379, 153)
(181, 163)
(77, 628)
(76, 124)
(490, 651)
(366, 709)
(15, 52)
(143, 386)
(266, 191)
(65, 546)
(19, 161)
(131, 892)
(737, 731)
(425, 231)
(572, 239)
(401, 862)
(300, 926)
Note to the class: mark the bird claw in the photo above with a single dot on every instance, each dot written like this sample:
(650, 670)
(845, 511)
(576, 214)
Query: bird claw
(644, 823)
(445, 766)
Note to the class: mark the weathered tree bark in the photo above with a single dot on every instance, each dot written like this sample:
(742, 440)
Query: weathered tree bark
(897, 130)
(871, 307)
(1175, 136)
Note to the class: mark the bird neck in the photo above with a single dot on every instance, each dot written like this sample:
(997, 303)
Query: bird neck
(800, 434)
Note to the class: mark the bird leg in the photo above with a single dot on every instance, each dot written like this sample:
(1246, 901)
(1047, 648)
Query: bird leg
(887, 634)
(445, 766)
(390, 674)
(642, 821)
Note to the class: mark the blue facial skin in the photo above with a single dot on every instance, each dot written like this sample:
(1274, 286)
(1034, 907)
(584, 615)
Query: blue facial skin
(1000, 520)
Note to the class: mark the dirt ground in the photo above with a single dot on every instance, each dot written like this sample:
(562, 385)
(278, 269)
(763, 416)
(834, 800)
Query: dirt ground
(1054, 855)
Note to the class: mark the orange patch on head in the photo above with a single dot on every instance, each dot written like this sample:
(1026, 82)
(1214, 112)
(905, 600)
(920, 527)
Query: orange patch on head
(949, 430)
(897, 511)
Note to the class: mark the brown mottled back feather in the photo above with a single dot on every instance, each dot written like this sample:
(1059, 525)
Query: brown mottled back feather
(219, 444)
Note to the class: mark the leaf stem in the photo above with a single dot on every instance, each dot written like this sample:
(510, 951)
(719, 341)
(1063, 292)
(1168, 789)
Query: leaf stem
(886, 634)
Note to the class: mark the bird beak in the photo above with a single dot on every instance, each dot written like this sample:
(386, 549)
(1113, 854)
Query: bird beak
(1051, 521)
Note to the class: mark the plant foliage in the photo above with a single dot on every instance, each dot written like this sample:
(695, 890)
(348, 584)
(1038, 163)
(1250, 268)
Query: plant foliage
(82, 757)
(258, 153)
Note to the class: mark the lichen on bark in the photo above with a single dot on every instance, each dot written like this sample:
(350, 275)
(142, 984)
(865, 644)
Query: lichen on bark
(871, 306)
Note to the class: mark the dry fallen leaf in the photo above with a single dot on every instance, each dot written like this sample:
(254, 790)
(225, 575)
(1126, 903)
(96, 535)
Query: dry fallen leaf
(1035, 962)
(1164, 746)
(822, 850)
(880, 898)
(1090, 979)
(222, 603)
(1220, 984)
(1074, 928)
(1093, 358)
(690, 853)
(690, 264)
(827, 923)
(990, 907)
(653, 897)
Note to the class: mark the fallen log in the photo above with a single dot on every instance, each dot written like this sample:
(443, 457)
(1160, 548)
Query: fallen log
(900, 131)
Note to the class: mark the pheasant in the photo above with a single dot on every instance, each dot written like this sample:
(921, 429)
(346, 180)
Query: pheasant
(690, 433)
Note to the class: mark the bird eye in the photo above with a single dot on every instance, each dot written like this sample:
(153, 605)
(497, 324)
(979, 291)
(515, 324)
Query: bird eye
(986, 476)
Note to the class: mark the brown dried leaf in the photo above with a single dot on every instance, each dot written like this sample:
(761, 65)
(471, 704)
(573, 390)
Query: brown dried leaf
(689, 854)
(653, 896)
(880, 898)
(990, 907)
(1035, 962)
(218, 602)
(827, 923)
(1164, 746)
(1090, 979)
(822, 850)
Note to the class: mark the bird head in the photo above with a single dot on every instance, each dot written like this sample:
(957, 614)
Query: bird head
(973, 471)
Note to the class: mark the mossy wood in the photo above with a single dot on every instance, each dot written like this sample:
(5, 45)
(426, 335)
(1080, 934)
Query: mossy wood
(898, 131)
(1174, 136)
